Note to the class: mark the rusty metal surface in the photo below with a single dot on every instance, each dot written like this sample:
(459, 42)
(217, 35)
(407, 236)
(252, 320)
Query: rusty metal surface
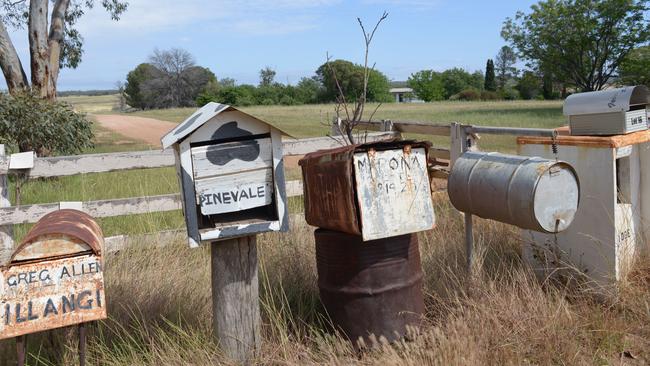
(329, 190)
(372, 287)
(58, 229)
(329, 184)
(528, 192)
(50, 294)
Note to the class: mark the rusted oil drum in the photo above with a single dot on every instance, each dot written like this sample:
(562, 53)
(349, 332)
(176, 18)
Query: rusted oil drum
(528, 192)
(372, 287)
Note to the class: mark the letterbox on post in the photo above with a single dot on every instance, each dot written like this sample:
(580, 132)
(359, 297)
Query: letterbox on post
(55, 277)
(608, 112)
(231, 174)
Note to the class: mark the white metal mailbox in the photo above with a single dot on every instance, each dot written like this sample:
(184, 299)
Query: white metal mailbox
(231, 174)
(613, 220)
(608, 112)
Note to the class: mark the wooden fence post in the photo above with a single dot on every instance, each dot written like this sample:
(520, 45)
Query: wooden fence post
(235, 297)
(6, 232)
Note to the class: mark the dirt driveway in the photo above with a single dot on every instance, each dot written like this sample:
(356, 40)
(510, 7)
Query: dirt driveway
(149, 130)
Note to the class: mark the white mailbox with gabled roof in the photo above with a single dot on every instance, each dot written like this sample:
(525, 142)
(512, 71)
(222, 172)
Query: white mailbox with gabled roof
(231, 174)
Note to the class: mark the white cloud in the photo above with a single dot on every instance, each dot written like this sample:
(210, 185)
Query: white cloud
(249, 17)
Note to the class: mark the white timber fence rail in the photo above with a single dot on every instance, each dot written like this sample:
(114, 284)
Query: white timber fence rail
(99, 163)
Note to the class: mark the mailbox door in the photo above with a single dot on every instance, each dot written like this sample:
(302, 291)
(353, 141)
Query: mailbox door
(233, 176)
(393, 192)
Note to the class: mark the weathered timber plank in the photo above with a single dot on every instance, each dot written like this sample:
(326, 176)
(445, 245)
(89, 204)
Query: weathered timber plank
(107, 208)
(235, 192)
(158, 239)
(97, 163)
(294, 188)
(6, 231)
(439, 153)
(221, 159)
(304, 146)
(420, 127)
(162, 238)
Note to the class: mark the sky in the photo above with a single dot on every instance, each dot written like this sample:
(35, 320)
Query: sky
(237, 38)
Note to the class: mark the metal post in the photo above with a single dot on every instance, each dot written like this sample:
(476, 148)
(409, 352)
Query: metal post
(460, 143)
(21, 346)
(336, 127)
(82, 344)
(469, 241)
(235, 298)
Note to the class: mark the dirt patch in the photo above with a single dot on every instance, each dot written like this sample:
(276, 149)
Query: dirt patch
(149, 130)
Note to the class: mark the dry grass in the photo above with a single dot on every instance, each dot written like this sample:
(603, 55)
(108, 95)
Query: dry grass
(159, 303)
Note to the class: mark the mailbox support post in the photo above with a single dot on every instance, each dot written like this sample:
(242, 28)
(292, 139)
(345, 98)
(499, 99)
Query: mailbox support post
(82, 344)
(6, 232)
(21, 346)
(235, 297)
(460, 143)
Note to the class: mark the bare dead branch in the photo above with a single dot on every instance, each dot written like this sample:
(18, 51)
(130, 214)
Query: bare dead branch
(375, 111)
(355, 114)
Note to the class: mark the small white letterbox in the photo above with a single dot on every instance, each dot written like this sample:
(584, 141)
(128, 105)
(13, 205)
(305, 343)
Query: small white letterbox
(231, 174)
(608, 112)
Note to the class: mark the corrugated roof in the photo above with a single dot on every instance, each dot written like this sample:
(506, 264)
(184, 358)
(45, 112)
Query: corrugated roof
(198, 118)
(606, 101)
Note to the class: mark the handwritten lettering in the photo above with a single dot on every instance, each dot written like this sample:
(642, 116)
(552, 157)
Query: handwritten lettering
(33, 310)
(230, 196)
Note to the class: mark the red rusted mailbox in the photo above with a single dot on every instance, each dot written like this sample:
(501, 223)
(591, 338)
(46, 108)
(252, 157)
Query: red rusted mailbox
(376, 190)
(55, 277)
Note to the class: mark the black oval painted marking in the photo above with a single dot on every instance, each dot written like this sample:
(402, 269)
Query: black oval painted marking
(187, 124)
(220, 107)
(245, 150)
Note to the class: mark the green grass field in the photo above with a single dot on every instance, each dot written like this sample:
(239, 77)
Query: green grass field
(312, 120)
(94, 104)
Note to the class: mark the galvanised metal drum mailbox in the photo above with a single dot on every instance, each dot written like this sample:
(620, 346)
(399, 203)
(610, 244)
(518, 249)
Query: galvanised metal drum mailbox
(608, 112)
(528, 192)
(231, 174)
(55, 277)
(612, 226)
(376, 190)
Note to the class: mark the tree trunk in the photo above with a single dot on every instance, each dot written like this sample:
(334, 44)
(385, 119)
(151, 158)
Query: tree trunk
(37, 28)
(54, 41)
(10, 64)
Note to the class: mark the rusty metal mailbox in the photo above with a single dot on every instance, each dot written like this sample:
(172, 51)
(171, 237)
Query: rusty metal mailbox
(55, 277)
(375, 190)
(231, 174)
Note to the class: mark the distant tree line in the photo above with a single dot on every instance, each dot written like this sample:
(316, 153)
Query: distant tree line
(172, 79)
